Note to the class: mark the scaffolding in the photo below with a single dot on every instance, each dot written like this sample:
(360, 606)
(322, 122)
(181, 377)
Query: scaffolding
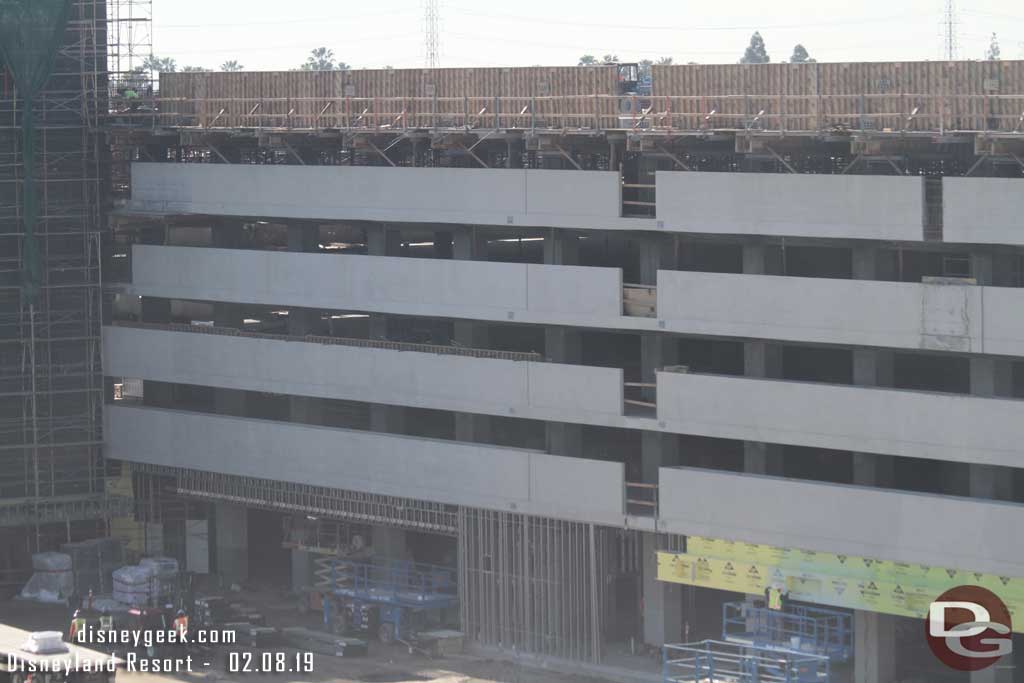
(52, 473)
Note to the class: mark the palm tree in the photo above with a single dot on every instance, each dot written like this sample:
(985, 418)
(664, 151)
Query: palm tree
(320, 59)
(610, 59)
(195, 69)
(588, 60)
(231, 65)
(161, 65)
(664, 61)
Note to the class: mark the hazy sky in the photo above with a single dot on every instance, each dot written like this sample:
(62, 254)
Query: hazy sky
(279, 35)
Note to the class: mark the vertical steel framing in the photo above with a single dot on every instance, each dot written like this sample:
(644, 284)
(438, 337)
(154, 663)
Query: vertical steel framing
(51, 379)
(533, 584)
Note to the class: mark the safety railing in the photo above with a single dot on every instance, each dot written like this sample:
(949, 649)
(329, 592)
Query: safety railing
(339, 341)
(712, 660)
(908, 112)
(806, 628)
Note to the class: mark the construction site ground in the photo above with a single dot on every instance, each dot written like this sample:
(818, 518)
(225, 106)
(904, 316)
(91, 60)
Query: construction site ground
(385, 663)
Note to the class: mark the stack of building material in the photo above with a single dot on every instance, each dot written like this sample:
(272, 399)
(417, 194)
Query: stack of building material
(441, 643)
(165, 575)
(133, 585)
(92, 562)
(323, 643)
(52, 580)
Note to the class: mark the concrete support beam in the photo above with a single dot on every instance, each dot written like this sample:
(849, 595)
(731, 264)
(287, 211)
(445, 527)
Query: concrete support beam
(662, 601)
(564, 345)
(874, 647)
(232, 541)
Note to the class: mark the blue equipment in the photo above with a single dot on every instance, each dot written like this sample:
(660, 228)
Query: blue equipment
(799, 627)
(393, 599)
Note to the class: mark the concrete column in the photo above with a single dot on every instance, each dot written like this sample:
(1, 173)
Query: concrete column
(389, 543)
(303, 237)
(662, 601)
(874, 647)
(382, 240)
(302, 573)
(229, 401)
(873, 368)
(232, 541)
(306, 409)
(761, 359)
(563, 345)
(990, 377)
(561, 247)
(470, 243)
(443, 244)
(229, 234)
(657, 252)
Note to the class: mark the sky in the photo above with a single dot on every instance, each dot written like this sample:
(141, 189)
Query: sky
(265, 35)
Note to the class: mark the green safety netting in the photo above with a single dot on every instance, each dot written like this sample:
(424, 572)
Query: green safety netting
(31, 32)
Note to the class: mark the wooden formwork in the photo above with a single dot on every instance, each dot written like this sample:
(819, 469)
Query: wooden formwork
(974, 96)
(395, 97)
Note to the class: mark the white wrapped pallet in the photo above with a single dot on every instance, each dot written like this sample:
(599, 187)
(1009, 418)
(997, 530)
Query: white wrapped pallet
(52, 580)
(165, 575)
(133, 584)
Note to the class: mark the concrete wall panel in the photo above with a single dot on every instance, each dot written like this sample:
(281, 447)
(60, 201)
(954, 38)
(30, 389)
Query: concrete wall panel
(983, 210)
(854, 207)
(889, 421)
(425, 469)
(478, 385)
(432, 195)
(428, 287)
(933, 530)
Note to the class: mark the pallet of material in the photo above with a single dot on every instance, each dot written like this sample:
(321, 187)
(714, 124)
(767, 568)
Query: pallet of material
(323, 643)
(442, 643)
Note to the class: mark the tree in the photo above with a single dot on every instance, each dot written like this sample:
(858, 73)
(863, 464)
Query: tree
(195, 69)
(610, 59)
(231, 65)
(993, 49)
(588, 60)
(161, 65)
(756, 53)
(320, 59)
(800, 55)
(388, 67)
(664, 61)
(342, 66)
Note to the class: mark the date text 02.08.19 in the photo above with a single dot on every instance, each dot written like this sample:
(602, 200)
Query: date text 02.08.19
(270, 662)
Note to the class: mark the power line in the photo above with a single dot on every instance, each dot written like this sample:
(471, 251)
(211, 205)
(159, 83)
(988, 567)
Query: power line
(430, 37)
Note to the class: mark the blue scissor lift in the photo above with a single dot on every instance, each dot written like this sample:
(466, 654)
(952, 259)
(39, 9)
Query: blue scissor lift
(715, 661)
(391, 599)
(801, 628)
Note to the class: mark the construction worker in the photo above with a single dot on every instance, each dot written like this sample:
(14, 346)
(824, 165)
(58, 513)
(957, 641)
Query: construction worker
(773, 596)
(106, 621)
(78, 625)
(181, 625)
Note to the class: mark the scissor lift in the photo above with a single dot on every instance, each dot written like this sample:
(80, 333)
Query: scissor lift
(802, 628)
(715, 661)
(394, 599)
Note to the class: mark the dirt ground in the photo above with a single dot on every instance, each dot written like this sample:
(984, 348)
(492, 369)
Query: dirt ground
(385, 664)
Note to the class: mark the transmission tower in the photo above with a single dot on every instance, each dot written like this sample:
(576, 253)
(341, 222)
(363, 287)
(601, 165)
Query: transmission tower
(950, 24)
(431, 39)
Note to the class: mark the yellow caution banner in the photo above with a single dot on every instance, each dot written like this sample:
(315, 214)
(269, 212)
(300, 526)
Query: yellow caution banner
(828, 579)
